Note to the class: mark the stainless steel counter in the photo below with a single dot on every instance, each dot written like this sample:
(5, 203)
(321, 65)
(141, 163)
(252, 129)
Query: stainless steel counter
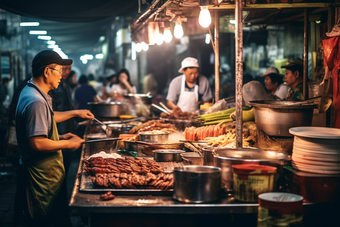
(89, 202)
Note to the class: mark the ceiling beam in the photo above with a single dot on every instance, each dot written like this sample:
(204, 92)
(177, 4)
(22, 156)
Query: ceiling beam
(275, 6)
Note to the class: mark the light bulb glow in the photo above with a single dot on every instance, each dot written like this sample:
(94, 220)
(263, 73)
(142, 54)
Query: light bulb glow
(145, 46)
(178, 31)
(138, 47)
(99, 56)
(207, 38)
(167, 35)
(38, 32)
(204, 18)
(159, 39)
(44, 37)
(24, 24)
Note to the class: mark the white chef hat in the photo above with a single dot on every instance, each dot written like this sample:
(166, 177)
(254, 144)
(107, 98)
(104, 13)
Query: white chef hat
(187, 63)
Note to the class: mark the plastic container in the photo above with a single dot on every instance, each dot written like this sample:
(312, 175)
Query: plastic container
(251, 180)
(280, 209)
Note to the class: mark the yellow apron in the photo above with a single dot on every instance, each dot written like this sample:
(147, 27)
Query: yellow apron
(45, 177)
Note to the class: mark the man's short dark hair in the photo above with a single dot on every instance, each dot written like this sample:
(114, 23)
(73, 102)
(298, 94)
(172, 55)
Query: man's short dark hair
(275, 78)
(5, 80)
(83, 79)
(184, 69)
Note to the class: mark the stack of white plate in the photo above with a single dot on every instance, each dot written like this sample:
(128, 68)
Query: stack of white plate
(316, 149)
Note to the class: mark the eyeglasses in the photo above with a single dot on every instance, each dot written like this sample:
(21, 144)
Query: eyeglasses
(59, 71)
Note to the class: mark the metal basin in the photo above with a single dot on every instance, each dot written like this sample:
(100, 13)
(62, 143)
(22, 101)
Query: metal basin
(192, 158)
(225, 158)
(154, 137)
(144, 150)
(196, 184)
(167, 155)
(275, 118)
(108, 109)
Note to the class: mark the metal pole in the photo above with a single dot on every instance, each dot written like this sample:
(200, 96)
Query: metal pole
(217, 57)
(305, 53)
(238, 71)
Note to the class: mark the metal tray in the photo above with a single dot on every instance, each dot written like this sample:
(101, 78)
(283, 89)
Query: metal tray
(87, 186)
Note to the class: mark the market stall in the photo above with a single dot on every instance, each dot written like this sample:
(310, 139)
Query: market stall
(133, 181)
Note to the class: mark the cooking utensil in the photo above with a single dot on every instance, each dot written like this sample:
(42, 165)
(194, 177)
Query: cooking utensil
(197, 184)
(108, 109)
(275, 118)
(159, 108)
(151, 145)
(167, 155)
(200, 150)
(108, 145)
(108, 130)
(225, 158)
(144, 149)
(192, 158)
(166, 108)
(130, 146)
(154, 137)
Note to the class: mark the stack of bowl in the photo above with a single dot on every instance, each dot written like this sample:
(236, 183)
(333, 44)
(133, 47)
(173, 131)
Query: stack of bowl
(316, 149)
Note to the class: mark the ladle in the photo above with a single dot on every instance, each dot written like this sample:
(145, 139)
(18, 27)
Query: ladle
(107, 129)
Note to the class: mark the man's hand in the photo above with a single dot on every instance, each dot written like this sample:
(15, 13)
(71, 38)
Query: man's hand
(176, 108)
(74, 142)
(66, 136)
(85, 114)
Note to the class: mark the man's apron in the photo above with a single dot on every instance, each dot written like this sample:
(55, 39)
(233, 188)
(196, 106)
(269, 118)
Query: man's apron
(45, 176)
(188, 100)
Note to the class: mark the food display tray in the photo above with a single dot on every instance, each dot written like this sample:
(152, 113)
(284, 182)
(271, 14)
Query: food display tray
(87, 186)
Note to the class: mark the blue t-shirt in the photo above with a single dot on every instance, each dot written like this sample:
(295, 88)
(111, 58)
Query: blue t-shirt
(33, 117)
(84, 94)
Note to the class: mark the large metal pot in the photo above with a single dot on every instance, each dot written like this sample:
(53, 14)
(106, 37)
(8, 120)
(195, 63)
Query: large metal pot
(225, 158)
(167, 155)
(108, 109)
(196, 184)
(154, 137)
(275, 118)
(144, 150)
(141, 103)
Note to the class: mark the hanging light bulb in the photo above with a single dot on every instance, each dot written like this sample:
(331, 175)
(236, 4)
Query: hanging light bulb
(145, 46)
(159, 39)
(138, 47)
(207, 38)
(204, 18)
(167, 35)
(178, 31)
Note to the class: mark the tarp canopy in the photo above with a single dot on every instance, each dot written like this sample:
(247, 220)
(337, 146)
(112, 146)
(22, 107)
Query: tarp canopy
(70, 10)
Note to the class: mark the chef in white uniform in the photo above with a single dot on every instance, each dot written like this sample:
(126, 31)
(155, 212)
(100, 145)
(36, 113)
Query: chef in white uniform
(189, 89)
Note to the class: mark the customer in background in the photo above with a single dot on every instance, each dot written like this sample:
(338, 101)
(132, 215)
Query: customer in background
(92, 81)
(294, 79)
(150, 84)
(123, 84)
(274, 83)
(84, 94)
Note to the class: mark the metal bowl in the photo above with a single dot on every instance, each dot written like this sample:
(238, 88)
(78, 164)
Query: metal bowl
(167, 155)
(130, 146)
(192, 158)
(144, 150)
(154, 137)
(108, 109)
(275, 118)
(197, 184)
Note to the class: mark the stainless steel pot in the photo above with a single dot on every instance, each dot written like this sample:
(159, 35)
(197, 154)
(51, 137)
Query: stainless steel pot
(108, 109)
(192, 158)
(167, 155)
(141, 103)
(225, 158)
(109, 145)
(144, 150)
(130, 146)
(275, 118)
(196, 184)
(154, 138)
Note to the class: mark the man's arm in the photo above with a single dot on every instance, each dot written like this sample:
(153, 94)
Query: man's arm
(61, 116)
(43, 144)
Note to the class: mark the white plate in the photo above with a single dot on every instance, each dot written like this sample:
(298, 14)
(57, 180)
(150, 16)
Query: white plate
(316, 157)
(317, 167)
(316, 141)
(316, 151)
(316, 132)
(296, 158)
(316, 170)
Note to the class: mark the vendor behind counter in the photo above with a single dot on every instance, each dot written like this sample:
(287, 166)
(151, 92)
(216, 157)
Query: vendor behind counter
(189, 89)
